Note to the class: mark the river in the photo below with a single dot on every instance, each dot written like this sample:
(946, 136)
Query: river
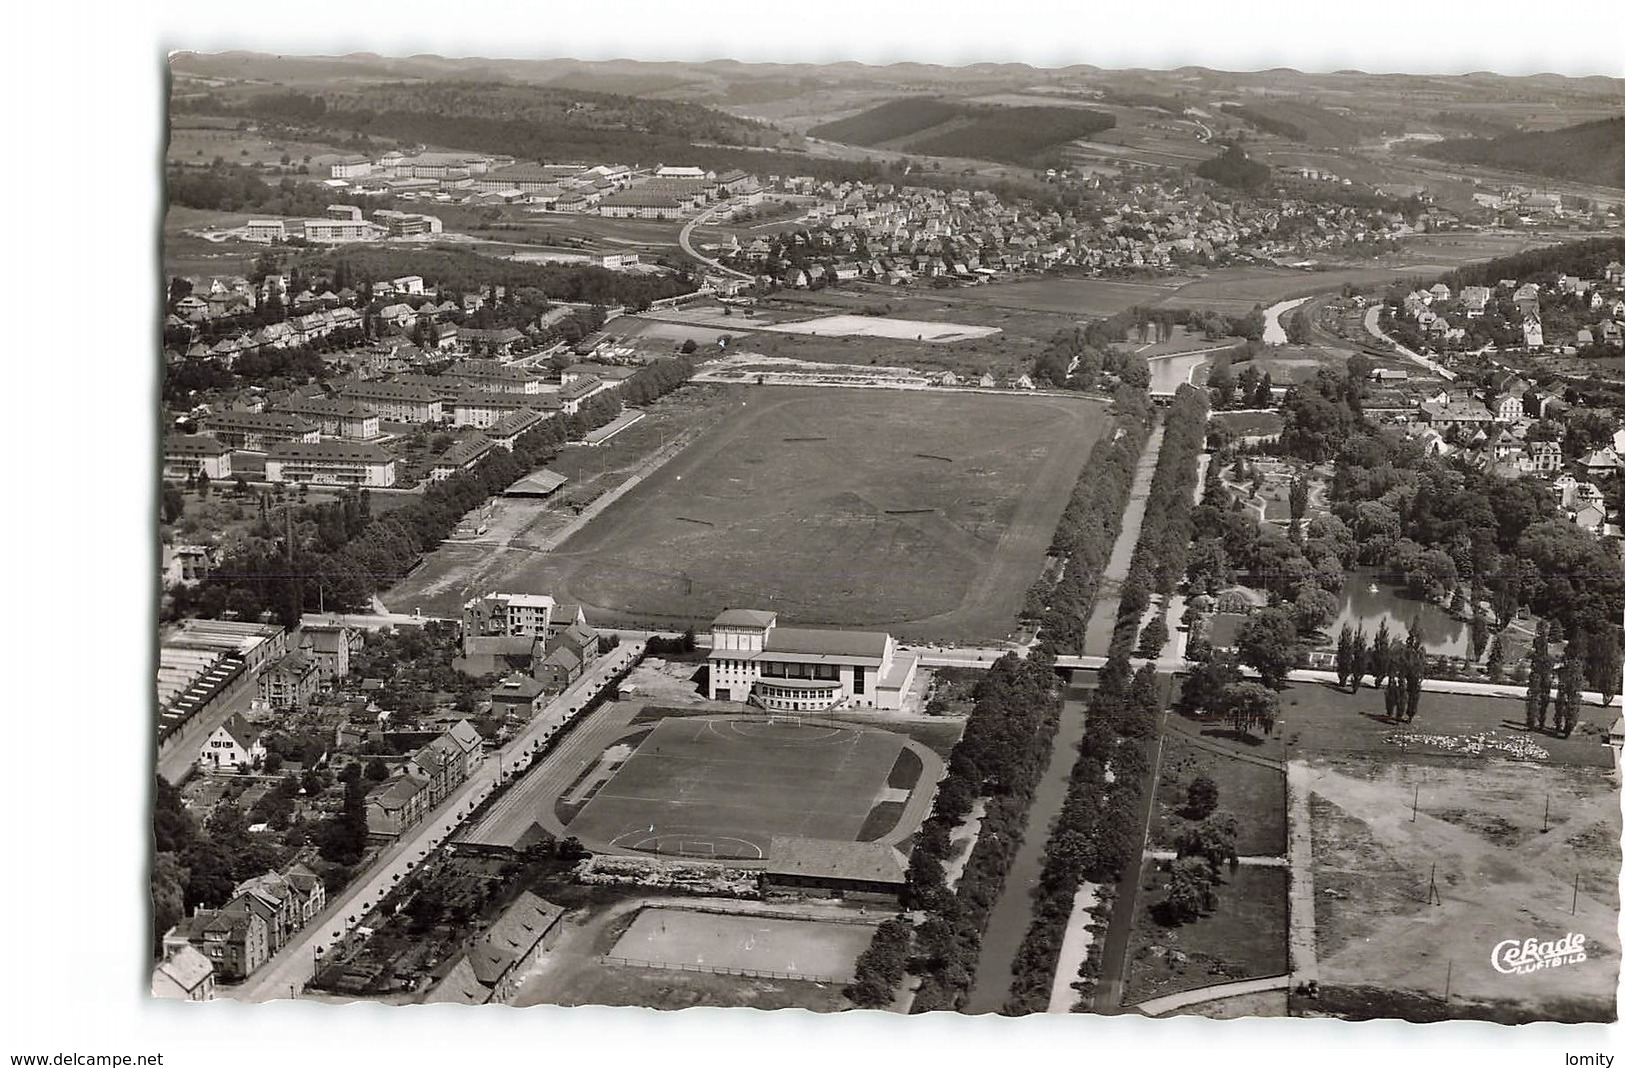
(1274, 333)
(1013, 912)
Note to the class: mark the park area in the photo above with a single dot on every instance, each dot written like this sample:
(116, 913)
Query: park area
(927, 514)
(724, 786)
(742, 944)
(1244, 936)
(1255, 795)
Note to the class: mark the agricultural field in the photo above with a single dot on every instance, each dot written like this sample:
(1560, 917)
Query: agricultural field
(928, 514)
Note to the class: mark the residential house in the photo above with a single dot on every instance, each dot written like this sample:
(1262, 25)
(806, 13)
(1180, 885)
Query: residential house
(235, 939)
(331, 463)
(330, 647)
(1545, 457)
(184, 974)
(519, 696)
(1602, 462)
(399, 402)
(184, 565)
(290, 682)
(233, 745)
(258, 431)
(396, 804)
(336, 416)
(506, 431)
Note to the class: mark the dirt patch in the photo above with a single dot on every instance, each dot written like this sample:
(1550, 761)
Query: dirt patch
(1404, 902)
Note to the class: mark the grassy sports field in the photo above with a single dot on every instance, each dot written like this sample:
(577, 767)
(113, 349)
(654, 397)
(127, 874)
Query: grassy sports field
(723, 787)
(925, 513)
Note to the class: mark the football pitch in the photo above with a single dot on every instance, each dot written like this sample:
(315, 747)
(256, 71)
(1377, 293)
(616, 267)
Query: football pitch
(927, 514)
(724, 786)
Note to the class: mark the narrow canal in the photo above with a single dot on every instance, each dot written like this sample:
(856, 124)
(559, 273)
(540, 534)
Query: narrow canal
(1013, 912)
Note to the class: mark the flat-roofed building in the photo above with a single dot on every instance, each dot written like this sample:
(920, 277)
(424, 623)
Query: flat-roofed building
(331, 463)
(338, 231)
(793, 669)
(265, 231)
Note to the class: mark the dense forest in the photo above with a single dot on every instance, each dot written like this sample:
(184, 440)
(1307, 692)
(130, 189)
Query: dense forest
(930, 126)
(1234, 168)
(1585, 259)
(1590, 152)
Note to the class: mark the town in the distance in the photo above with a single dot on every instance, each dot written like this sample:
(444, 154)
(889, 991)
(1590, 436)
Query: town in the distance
(988, 539)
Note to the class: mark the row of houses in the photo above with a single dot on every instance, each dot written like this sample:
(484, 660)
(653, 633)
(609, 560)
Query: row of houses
(423, 781)
(260, 917)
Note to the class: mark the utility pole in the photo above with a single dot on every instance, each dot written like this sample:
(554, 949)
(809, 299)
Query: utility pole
(1574, 903)
(1415, 794)
(1448, 969)
(1545, 821)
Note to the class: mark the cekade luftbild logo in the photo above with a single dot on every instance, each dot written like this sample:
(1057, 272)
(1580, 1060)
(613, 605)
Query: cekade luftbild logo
(1514, 957)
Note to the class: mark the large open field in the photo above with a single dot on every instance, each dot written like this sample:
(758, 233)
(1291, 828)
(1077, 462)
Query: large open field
(1516, 831)
(725, 786)
(928, 514)
(747, 944)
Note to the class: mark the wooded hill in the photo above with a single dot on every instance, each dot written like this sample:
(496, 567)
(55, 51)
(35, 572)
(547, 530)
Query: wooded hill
(935, 127)
(1591, 152)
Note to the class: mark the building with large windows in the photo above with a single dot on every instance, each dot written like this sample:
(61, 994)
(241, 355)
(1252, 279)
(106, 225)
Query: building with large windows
(794, 669)
(330, 463)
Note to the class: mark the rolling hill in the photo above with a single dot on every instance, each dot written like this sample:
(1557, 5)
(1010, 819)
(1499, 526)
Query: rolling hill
(1592, 152)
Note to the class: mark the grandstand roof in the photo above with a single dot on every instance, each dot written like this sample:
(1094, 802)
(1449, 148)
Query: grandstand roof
(822, 858)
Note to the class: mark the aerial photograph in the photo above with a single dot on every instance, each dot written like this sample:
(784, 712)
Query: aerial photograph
(975, 537)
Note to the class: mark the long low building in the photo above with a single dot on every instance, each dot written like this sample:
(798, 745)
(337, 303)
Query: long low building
(331, 463)
(258, 431)
(792, 669)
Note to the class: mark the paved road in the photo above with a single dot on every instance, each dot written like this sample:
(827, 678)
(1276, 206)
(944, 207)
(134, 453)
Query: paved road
(287, 972)
(179, 754)
(686, 238)
(1372, 315)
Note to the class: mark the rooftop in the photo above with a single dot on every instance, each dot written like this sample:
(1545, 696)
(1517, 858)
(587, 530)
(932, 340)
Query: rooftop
(873, 862)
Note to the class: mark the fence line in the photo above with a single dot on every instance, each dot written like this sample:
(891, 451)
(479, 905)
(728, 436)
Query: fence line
(710, 969)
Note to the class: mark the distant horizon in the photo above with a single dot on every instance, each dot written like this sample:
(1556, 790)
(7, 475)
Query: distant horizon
(967, 65)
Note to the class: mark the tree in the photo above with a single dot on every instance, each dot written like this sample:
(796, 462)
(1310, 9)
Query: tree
(1382, 651)
(1540, 679)
(1269, 644)
(1359, 659)
(1203, 689)
(1248, 704)
(1344, 660)
(1393, 698)
(1201, 798)
(203, 481)
(1221, 380)
(1495, 665)
(1213, 839)
(1570, 679)
(1190, 892)
(377, 770)
(1298, 499)
(1313, 608)
(1603, 661)
(173, 504)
